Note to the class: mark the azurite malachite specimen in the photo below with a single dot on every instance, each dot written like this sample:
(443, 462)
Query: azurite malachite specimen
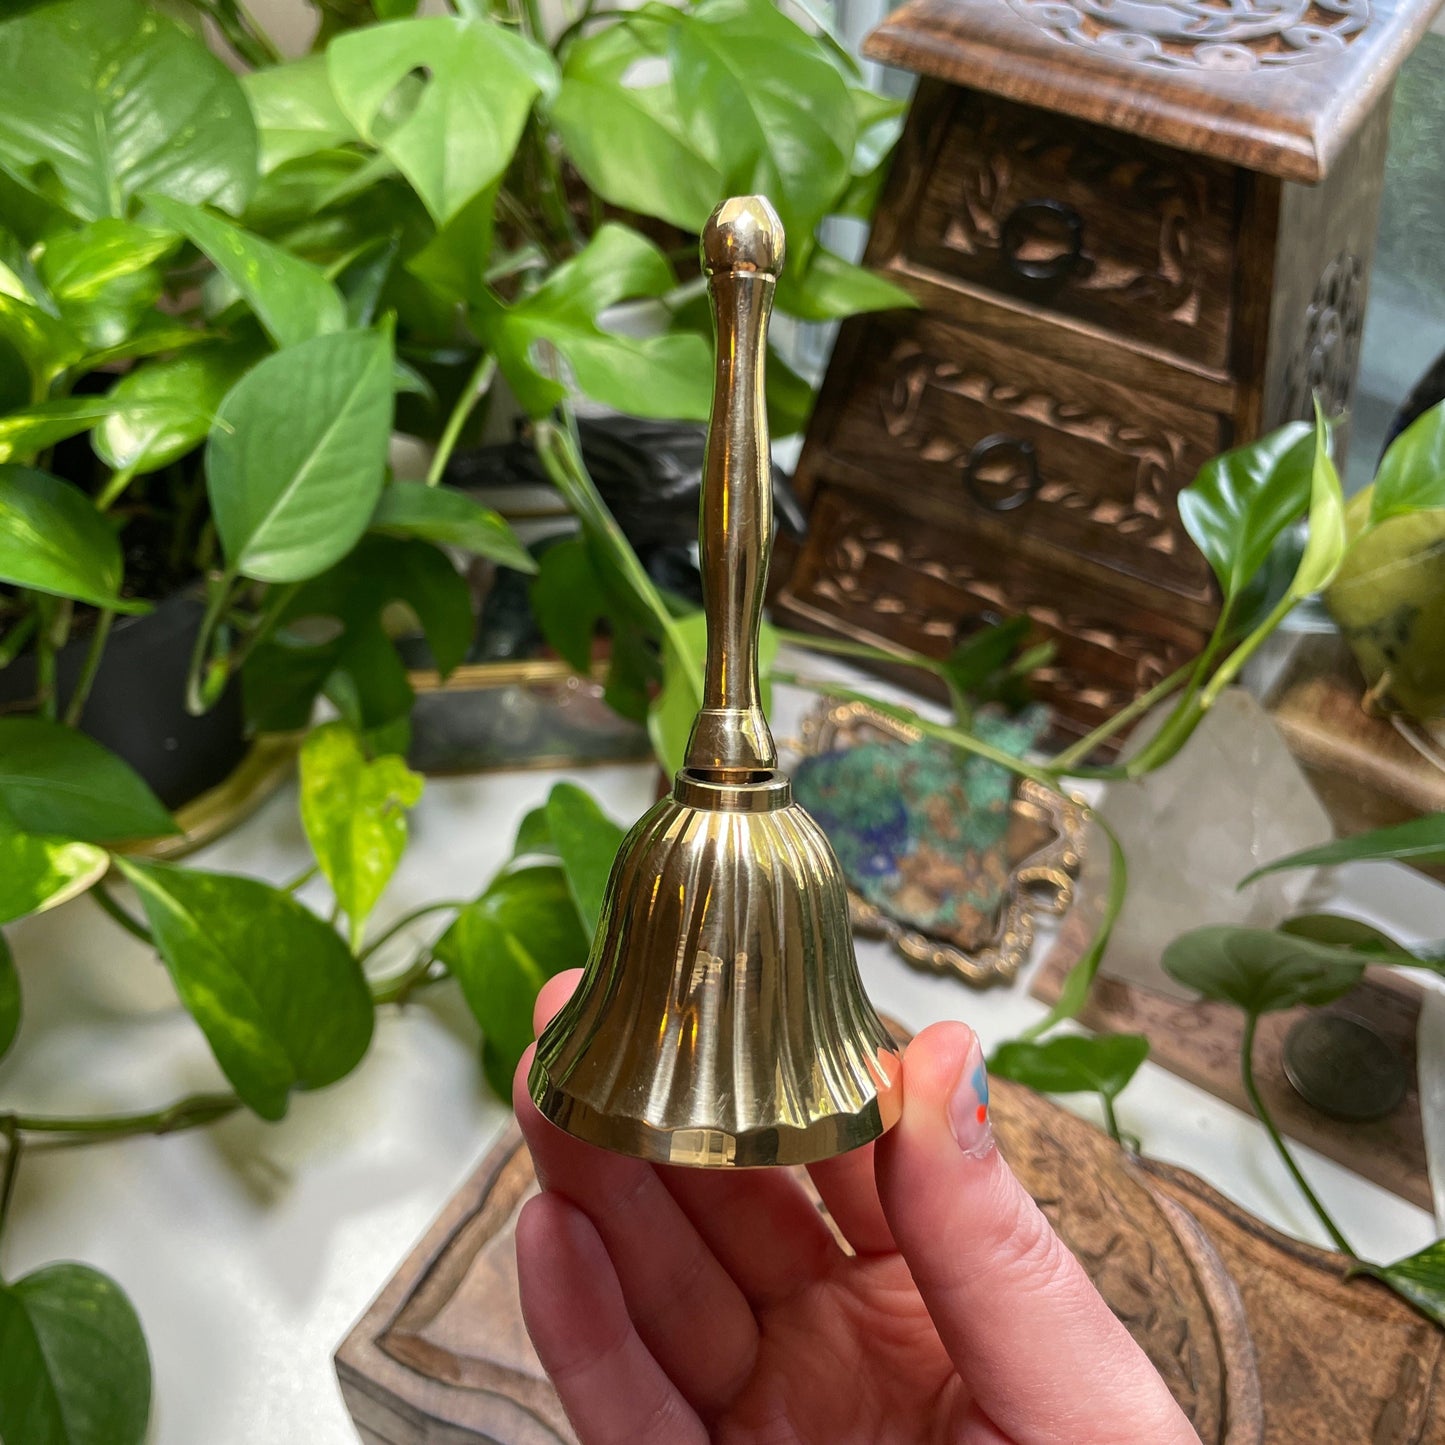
(919, 828)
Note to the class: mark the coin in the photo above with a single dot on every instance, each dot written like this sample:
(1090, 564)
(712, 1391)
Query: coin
(1343, 1067)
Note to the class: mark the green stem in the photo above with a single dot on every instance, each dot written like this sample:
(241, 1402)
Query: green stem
(189, 1113)
(110, 493)
(217, 602)
(863, 651)
(106, 902)
(1077, 752)
(90, 668)
(561, 458)
(956, 737)
(588, 15)
(405, 921)
(304, 877)
(45, 674)
(278, 599)
(16, 638)
(1230, 668)
(11, 1135)
(1111, 1120)
(400, 988)
(244, 35)
(1080, 977)
(478, 384)
(1246, 1069)
(552, 194)
(1079, 980)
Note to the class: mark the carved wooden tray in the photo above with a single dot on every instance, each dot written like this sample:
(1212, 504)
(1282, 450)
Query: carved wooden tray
(1262, 1340)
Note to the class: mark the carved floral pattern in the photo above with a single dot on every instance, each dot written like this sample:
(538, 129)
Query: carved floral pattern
(1148, 518)
(1324, 363)
(1006, 158)
(859, 557)
(1213, 35)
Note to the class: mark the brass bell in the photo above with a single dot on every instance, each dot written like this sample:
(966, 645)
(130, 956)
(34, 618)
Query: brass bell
(721, 1020)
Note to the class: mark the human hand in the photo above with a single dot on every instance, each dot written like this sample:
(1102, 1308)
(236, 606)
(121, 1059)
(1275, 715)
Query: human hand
(676, 1306)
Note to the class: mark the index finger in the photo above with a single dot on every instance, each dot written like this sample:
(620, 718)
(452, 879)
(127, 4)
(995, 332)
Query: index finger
(552, 995)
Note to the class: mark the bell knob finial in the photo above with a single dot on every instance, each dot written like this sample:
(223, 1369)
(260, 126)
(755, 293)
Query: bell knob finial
(743, 234)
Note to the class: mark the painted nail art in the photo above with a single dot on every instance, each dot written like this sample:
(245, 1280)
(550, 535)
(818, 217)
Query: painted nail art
(968, 1107)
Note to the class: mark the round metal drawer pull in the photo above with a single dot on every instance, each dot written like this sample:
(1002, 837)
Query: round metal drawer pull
(1024, 222)
(989, 449)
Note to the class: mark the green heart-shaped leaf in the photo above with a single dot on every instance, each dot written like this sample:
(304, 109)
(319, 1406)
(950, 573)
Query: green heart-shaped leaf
(39, 873)
(31, 429)
(1242, 500)
(354, 814)
(568, 601)
(829, 288)
(359, 669)
(164, 409)
(534, 835)
(280, 998)
(462, 130)
(502, 948)
(629, 141)
(587, 841)
(1073, 1064)
(296, 113)
(297, 456)
(1325, 541)
(1411, 477)
(1260, 971)
(58, 783)
(106, 99)
(1419, 1278)
(1335, 931)
(74, 1368)
(667, 375)
(53, 540)
(292, 298)
(105, 277)
(451, 518)
(44, 342)
(762, 100)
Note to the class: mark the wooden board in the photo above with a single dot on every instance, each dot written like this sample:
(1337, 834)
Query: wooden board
(1200, 1041)
(1262, 1340)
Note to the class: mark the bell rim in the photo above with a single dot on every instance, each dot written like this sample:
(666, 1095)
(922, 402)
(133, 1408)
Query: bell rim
(703, 1147)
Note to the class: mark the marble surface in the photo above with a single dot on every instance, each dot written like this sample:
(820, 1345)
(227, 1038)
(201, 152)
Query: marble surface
(250, 1249)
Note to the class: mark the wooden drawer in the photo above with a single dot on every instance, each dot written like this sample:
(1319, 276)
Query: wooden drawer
(872, 571)
(1131, 237)
(1024, 454)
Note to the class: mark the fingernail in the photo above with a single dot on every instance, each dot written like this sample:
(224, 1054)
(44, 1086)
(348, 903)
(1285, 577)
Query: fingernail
(968, 1106)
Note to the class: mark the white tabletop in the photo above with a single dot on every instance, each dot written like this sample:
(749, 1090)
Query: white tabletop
(250, 1249)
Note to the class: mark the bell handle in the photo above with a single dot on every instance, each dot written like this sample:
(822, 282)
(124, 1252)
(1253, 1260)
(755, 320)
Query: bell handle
(742, 253)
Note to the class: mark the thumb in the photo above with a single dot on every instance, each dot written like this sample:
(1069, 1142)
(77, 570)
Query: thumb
(1039, 1350)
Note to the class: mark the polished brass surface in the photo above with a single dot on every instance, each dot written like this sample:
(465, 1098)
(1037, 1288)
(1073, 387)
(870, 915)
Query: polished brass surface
(721, 1020)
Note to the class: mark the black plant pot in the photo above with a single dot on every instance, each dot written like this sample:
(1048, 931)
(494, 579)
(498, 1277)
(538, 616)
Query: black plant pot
(137, 703)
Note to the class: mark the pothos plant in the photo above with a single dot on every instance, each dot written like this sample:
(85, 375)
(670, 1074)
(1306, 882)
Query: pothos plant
(1238, 512)
(238, 286)
(220, 295)
(1242, 512)
(286, 997)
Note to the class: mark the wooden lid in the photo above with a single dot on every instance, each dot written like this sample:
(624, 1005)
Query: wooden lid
(1277, 86)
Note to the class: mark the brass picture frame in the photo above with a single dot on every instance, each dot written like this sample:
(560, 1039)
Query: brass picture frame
(1041, 875)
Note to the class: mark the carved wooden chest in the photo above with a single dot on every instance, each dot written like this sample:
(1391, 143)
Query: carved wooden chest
(1139, 231)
